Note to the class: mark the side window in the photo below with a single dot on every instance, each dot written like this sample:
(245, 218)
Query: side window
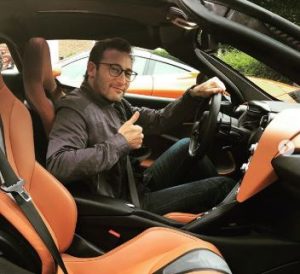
(72, 74)
(161, 68)
(69, 59)
(74, 71)
(139, 64)
(8, 65)
(261, 75)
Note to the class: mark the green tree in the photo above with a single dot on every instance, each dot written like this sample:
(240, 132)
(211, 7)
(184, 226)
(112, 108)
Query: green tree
(247, 65)
(289, 9)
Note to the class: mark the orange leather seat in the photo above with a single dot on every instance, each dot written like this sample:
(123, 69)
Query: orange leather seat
(146, 253)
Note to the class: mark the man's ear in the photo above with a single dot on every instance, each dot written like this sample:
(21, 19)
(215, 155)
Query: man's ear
(91, 69)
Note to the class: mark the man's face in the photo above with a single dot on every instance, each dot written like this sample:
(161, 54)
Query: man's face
(111, 87)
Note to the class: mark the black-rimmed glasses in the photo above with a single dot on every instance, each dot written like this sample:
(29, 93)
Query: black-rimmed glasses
(115, 70)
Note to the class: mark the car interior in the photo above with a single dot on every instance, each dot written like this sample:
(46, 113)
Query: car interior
(249, 135)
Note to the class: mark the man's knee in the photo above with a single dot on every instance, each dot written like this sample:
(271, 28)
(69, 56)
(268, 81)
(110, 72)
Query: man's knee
(184, 141)
(182, 144)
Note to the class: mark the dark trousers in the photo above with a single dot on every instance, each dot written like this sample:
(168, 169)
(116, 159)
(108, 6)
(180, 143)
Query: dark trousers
(175, 183)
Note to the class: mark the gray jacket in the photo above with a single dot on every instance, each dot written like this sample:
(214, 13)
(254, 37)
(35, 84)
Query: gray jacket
(84, 143)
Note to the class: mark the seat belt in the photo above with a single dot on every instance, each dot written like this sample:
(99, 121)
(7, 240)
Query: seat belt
(123, 110)
(10, 183)
(131, 183)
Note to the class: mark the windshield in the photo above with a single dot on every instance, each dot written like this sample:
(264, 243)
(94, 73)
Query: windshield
(254, 64)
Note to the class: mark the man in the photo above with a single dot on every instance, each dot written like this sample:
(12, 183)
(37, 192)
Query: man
(96, 129)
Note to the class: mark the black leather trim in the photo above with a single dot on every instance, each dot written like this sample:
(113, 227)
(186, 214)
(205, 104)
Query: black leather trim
(196, 260)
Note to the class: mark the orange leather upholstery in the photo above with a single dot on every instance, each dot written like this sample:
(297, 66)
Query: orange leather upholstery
(182, 217)
(51, 198)
(39, 83)
(146, 163)
(280, 129)
(144, 254)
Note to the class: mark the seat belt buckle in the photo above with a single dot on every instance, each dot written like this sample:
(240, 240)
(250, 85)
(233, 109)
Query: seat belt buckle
(17, 188)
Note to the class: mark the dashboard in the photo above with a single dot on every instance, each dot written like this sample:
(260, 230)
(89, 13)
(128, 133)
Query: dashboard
(272, 132)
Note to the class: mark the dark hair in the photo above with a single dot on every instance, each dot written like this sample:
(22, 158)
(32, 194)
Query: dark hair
(97, 51)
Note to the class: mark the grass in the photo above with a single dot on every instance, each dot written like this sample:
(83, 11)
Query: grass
(248, 65)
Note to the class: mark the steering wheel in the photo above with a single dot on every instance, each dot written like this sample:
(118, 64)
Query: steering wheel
(204, 127)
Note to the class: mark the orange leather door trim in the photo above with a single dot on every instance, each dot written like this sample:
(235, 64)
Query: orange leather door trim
(260, 173)
(182, 217)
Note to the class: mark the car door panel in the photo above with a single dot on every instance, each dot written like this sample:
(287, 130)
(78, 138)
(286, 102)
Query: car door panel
(172, 86)
(142, 84)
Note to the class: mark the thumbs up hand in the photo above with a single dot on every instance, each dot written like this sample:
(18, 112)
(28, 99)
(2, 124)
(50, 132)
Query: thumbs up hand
(132, 133)
(133, 118)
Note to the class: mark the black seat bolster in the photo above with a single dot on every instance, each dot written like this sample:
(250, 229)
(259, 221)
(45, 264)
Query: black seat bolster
(196, 260)
(8, 267)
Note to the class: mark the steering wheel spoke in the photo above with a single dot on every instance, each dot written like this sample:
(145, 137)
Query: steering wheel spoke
(204, 128)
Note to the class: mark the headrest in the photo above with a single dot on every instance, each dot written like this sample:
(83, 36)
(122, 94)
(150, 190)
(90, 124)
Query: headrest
(40, 87)
(37, 64)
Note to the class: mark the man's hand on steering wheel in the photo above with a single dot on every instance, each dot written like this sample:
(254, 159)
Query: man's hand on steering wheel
(208, 88)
